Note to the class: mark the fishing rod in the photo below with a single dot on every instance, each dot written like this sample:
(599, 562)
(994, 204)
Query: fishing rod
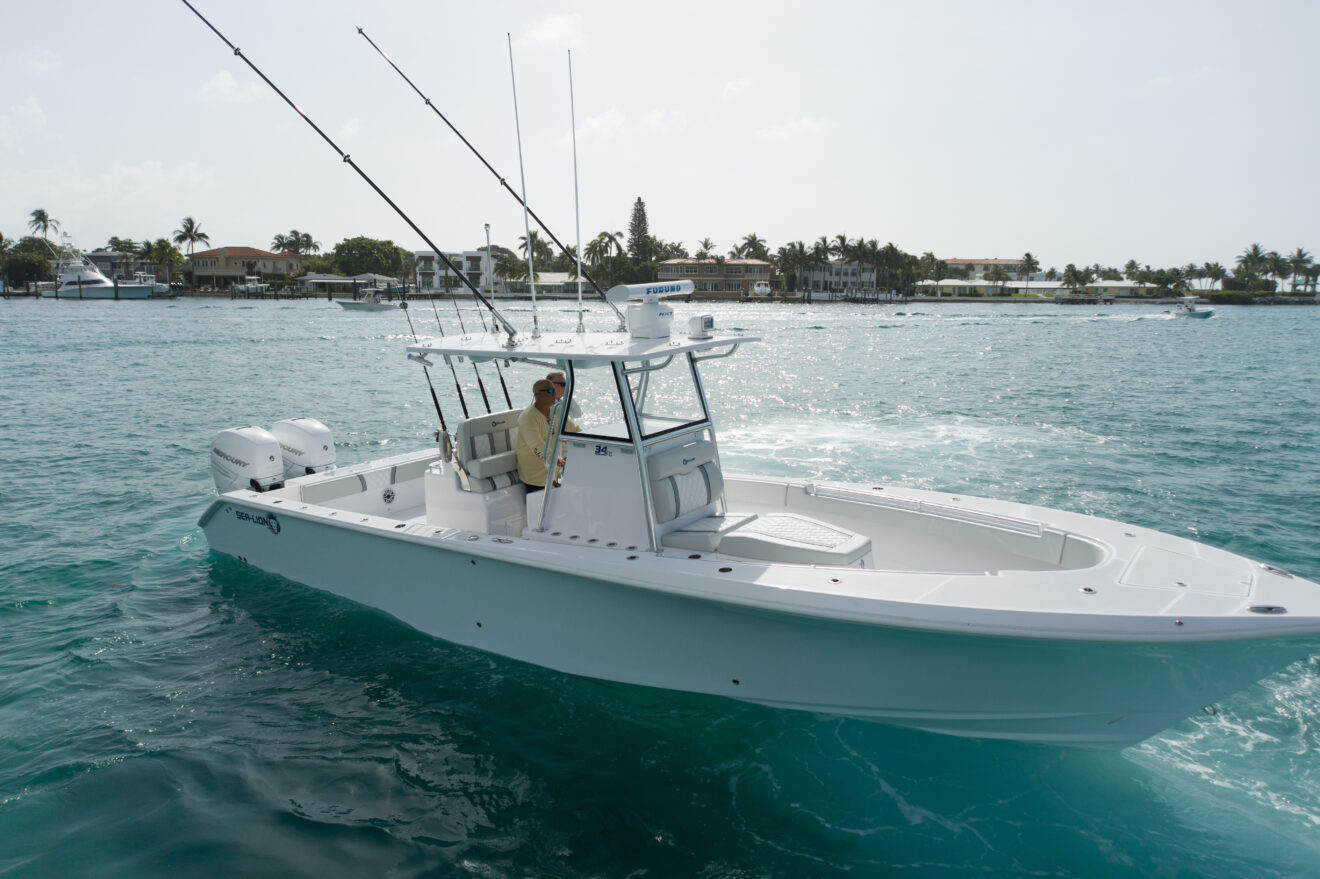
(427, 372)
(421, 358)
(492, 170)
(504, 324)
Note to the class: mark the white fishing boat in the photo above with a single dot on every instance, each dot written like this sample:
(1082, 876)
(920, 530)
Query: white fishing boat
(149, 280)
(646, 563)
(1187, 307)
(79, 278)
(367, 305)
(251, 285)
(373, 302)
(761, 290)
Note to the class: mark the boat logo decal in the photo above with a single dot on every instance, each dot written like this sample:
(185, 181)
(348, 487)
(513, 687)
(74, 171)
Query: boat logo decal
(387, 495)
(230, 458)
(604, 450)
(269, 520)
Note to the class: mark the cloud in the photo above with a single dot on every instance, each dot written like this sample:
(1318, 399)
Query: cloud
(795, 129)
(27, 117)
(599, 129)
(555, 32)
(222, 88)
(42, 60)
(30, 114)
(736, 87)
(664, 121)
(350, 129)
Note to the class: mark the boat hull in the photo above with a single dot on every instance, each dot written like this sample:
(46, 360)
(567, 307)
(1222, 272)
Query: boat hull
(1074, 692)
(351, 305)
(126, 291)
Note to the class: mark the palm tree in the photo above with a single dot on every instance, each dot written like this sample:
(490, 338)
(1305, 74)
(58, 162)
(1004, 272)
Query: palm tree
(190, 232)
(43, 222)
(997, 275)
(1030, 265)
(1278, 267)
(1251, 262)
(1213, 272)
(1131, 270)
(307, 244)
(541, 250)
(1301, 266)
(596, 250)
(839, 247)
(614, 240)
(705, 248)
(5, 243)
(165, 254)
(754, 247)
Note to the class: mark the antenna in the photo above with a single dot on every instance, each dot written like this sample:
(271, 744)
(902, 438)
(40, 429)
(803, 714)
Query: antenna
(527, 229)
(577, 205)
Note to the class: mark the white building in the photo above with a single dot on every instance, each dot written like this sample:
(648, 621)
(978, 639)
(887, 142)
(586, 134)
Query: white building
(836, 277)
(433, 274)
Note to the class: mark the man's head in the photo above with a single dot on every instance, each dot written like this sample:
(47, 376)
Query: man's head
(543, 394)
(560, 382)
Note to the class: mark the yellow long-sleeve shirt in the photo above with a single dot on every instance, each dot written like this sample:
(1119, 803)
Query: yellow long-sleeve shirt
(532, 430)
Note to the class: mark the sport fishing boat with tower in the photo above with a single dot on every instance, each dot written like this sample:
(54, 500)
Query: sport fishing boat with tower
(642, 561)
(646, 563)
(77, 277)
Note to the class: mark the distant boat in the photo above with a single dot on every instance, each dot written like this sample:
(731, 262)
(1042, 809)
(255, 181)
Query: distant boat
(251, 285)
(371, 303)
(79, 278)
(1187, 307)
(761, 290)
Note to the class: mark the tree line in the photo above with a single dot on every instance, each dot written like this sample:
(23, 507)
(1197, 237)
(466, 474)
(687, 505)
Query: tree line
(613, 258)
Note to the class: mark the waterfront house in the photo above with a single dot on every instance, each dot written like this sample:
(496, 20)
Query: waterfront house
(433, 274)
(554, 285)
(223, 267)
(1121, 289)
(732, 276)
(837, 278)
(975, 269)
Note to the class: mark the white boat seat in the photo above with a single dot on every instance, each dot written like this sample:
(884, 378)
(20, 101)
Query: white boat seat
(704, 535)
(795, 540)
(485, 451)
(686, 483)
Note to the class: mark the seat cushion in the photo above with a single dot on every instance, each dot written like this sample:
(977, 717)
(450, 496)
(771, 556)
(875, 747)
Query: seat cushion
(704, 535)
(795, 540)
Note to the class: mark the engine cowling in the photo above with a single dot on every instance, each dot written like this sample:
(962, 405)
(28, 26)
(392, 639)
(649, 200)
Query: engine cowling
(246, 457)
(305, 445)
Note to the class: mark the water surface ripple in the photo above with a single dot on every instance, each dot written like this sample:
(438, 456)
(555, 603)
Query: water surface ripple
(168, 712)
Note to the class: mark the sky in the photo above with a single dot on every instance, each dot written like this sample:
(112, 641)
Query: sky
(1165, 132)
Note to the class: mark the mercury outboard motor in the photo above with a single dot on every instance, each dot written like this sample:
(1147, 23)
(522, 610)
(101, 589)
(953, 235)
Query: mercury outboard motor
(246, 457)
(306, 446)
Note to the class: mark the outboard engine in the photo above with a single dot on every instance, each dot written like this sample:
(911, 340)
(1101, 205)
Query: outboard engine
(246, 457)
(306, 446)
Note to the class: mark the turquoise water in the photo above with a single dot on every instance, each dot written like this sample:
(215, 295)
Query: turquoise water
(167, 712)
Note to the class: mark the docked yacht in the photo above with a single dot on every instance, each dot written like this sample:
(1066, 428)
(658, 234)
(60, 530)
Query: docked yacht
(79, 278)
(645, 563)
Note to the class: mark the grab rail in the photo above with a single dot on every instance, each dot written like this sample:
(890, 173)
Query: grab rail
(928, 508)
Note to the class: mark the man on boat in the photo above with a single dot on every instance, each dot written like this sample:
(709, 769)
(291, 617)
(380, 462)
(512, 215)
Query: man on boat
(557, 379)
(533, 428)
